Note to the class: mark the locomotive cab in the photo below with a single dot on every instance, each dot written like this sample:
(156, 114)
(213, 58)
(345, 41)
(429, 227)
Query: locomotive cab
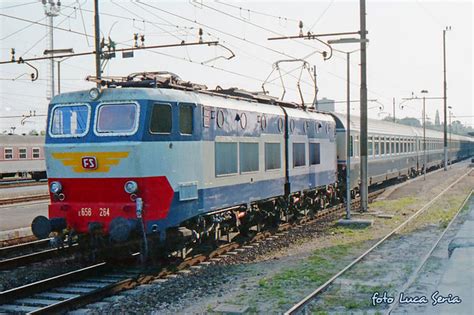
(110, 161)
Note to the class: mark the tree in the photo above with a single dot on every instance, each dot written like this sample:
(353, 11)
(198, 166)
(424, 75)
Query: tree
(410, 121)
(33, 132)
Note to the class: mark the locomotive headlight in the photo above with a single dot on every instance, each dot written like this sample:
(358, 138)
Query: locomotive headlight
(94, 93)
(55, 187)
(131, 187)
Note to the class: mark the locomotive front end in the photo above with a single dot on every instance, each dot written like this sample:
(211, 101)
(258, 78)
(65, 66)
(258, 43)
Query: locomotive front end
(95, 157)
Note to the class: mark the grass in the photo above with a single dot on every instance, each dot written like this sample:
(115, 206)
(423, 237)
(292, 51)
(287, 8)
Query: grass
(281, 289)
(315, 270)
(396, 205)
(441, 212)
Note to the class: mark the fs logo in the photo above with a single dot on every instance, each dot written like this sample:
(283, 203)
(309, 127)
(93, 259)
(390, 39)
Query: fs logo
(89, 162)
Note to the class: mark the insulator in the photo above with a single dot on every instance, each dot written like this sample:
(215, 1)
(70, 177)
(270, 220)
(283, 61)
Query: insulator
(200, 35)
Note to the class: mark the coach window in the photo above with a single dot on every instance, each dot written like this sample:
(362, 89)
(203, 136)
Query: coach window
(351, 148)
(299, 154)
(382, 146)
(8, 153)
(35, 153)
(186, 119)
(405, 145)
(392, 145)
(22, 153)
(161, 119)
(370, 148)
(226, 158)
(248, 157)
(377, 146)
(357, 146)
(315, 153)
(272, 156)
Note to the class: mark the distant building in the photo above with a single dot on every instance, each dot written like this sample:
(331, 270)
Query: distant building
(326, 105)
(437, 118)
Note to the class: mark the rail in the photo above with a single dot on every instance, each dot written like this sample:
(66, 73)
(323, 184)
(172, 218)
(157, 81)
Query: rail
(308, 299)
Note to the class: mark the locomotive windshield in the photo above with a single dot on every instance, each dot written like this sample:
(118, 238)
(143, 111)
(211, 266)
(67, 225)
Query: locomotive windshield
(117, 118)
(70, 120)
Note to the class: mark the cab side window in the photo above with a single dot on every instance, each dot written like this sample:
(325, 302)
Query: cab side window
(186, 119)
(161, 119)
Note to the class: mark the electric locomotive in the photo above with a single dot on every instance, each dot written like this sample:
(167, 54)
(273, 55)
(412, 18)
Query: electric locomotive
(151, 155)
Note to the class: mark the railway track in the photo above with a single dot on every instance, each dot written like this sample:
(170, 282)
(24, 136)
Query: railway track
(13, 200)
(21, 183)
(31, 252)
(17, 241)
(302, 306)
(78, 288)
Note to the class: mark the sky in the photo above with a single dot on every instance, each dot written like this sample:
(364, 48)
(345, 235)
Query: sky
(404, 54)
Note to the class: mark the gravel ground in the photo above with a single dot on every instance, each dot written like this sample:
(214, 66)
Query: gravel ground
(429, 277)
(38, 271)
(275, 274)
(10, 192)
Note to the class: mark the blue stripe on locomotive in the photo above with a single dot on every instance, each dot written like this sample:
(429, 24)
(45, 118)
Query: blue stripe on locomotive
(219, 197)
(146, 100)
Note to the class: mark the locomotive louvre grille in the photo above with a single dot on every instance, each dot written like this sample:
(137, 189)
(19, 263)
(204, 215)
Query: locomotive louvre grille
(188, 191)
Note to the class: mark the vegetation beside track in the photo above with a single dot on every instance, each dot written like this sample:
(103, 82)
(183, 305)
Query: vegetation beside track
(339, 245)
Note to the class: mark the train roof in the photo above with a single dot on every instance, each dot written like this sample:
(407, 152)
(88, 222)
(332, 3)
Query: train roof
(172, 95)
(384, 127)
(13, 140)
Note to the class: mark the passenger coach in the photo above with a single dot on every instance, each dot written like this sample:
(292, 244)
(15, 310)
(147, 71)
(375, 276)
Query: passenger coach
(396, 150)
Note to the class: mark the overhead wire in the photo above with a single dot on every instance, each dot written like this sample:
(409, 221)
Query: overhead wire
(83, 23)
(43, 24)
(18, 5)
(429, 13)
(231, 35)
(220, 31)
(169, 24)
(254, 24)
(41, 39)
(279, 34)
(257, 12)
(207, 65)
(133, 13)
(321, 16)
(132, 19)
(215, 29)
(22, 29)
(304, 58)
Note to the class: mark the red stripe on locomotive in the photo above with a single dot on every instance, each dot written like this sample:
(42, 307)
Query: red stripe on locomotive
(103, 199)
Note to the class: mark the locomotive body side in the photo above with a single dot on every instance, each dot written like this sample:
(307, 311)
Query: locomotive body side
(185, 154)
